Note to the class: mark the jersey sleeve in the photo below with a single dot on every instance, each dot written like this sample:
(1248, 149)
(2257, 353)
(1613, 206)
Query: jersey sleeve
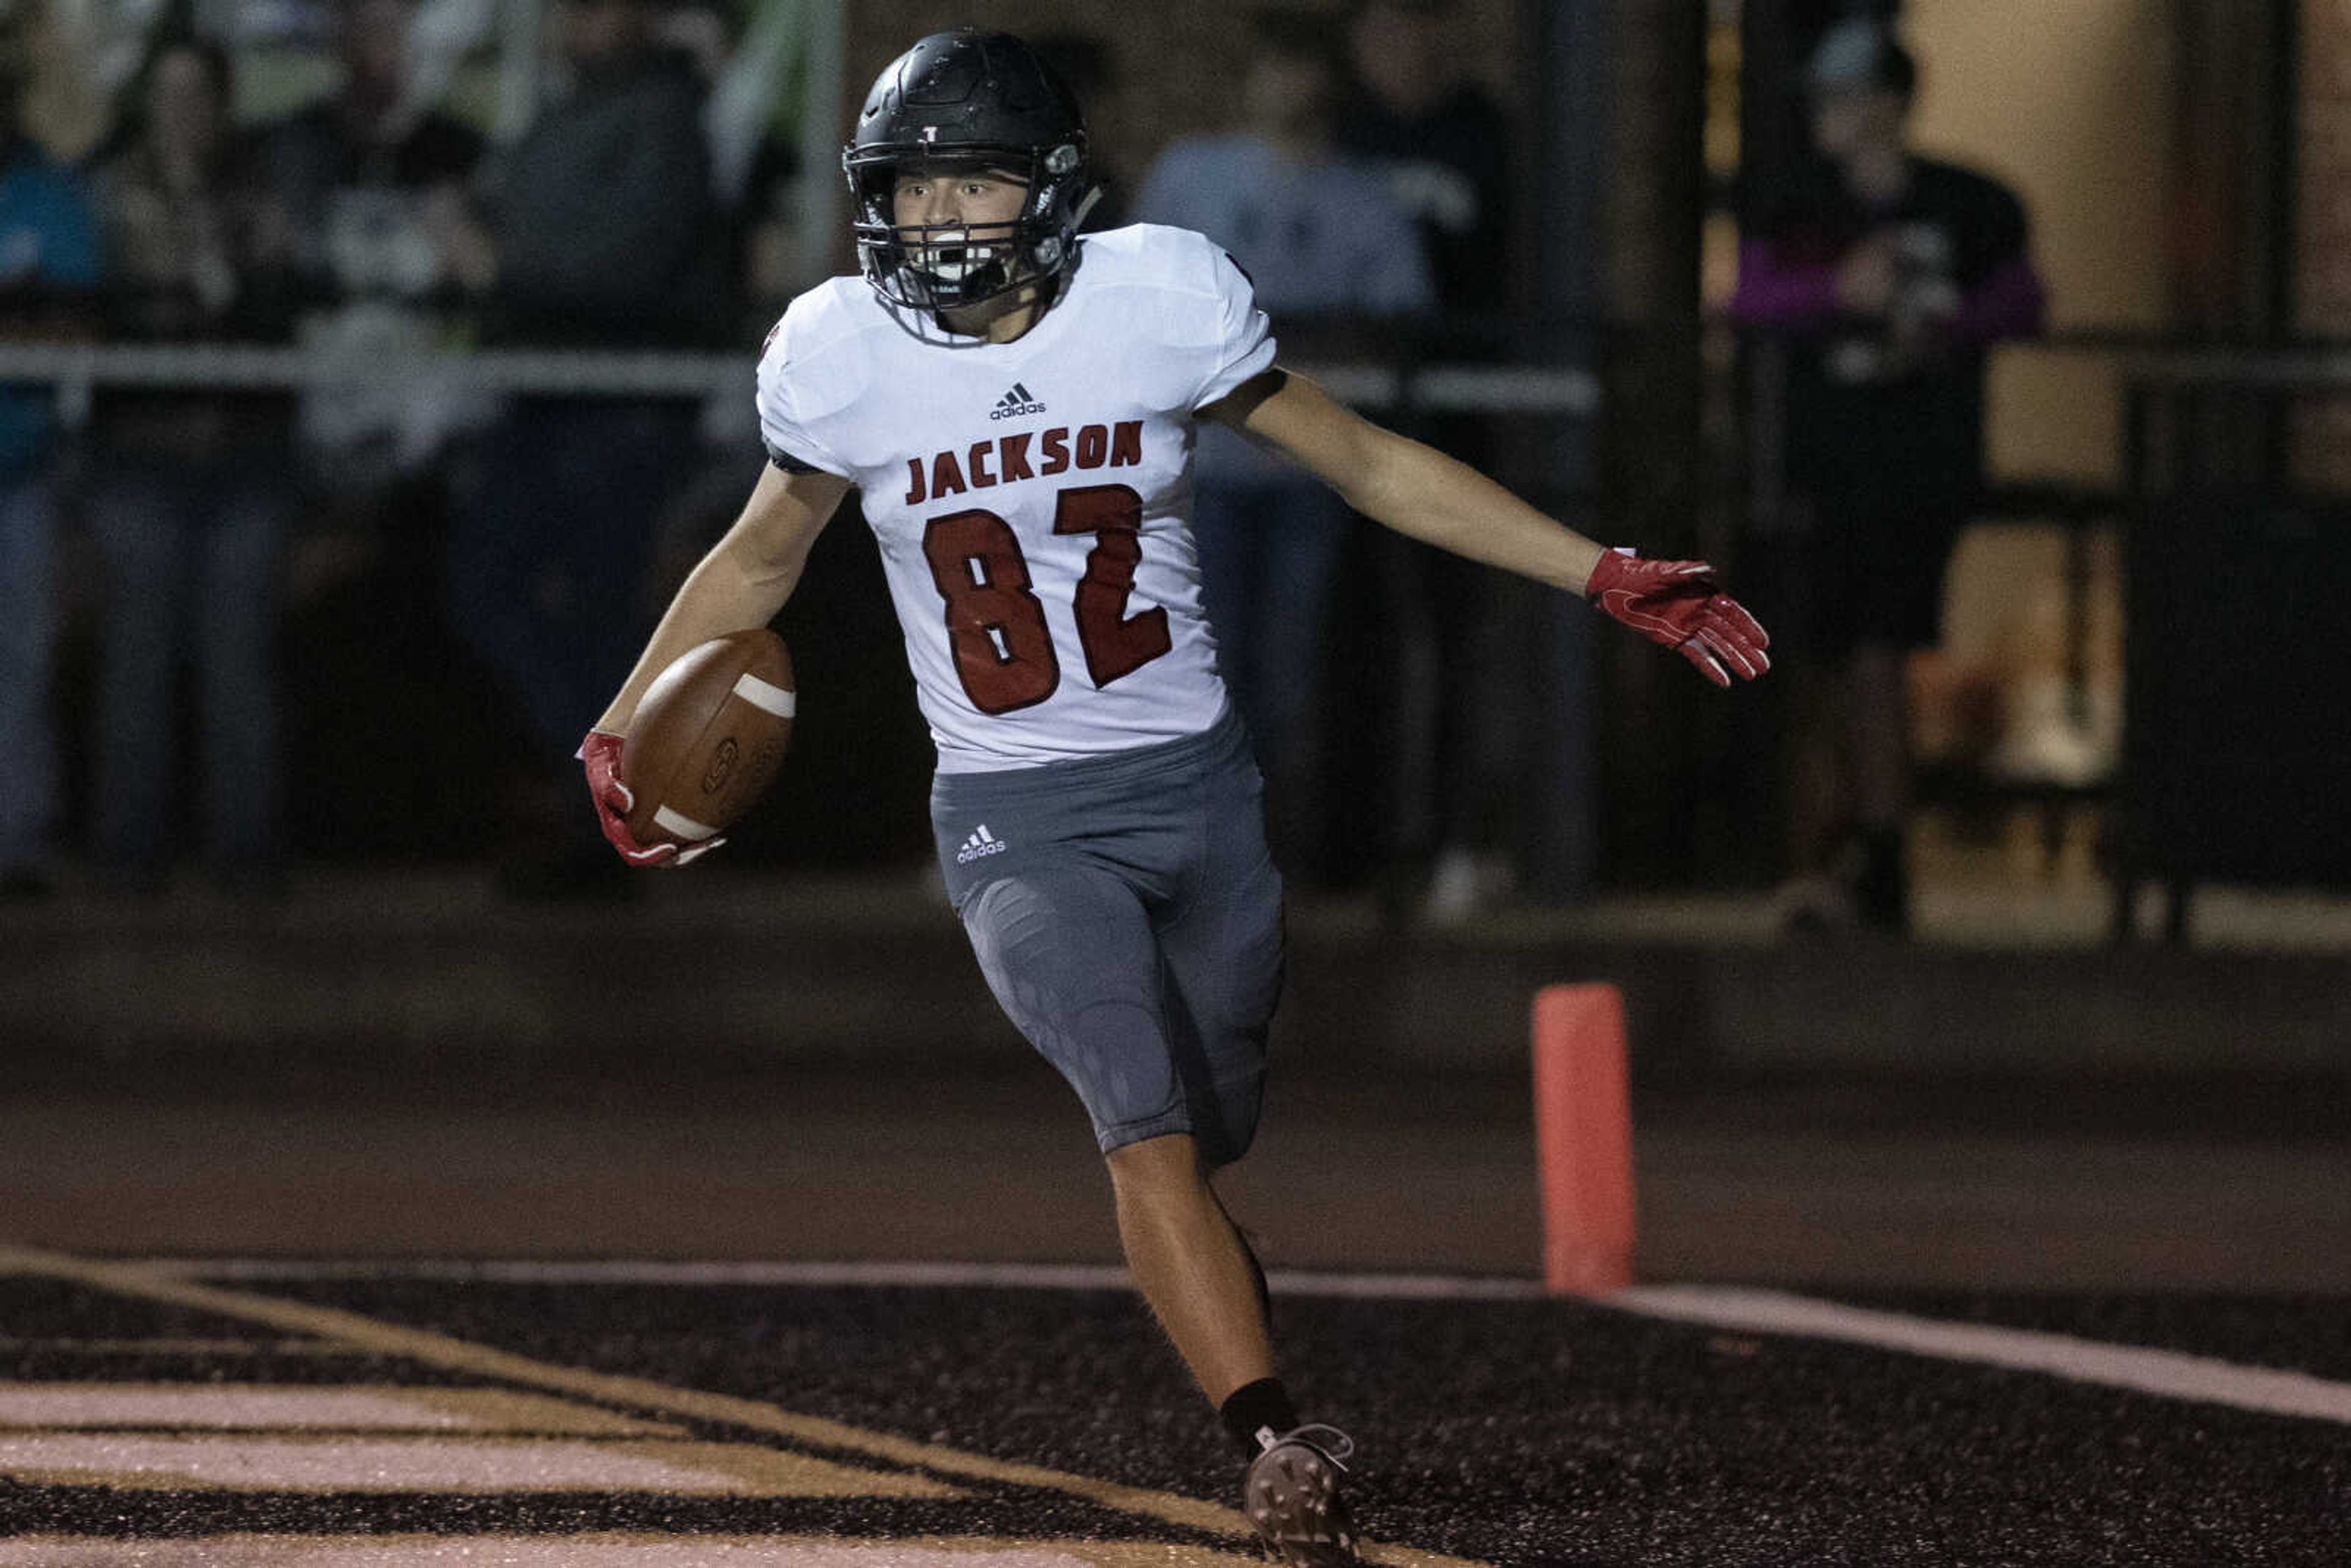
(1244, 344)
(792, 444)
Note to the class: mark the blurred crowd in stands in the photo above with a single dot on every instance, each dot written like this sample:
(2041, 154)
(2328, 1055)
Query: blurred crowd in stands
(367, 224)
(647, 203)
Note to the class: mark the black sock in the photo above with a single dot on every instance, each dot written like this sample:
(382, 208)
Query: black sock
(1254, 1407)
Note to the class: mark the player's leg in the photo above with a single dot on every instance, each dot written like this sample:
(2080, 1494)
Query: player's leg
(1058, 880)
(1069, 952)
(1220, 933)
(1203, 1282)
(1191, 1264)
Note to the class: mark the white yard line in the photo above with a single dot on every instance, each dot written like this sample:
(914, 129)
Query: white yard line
(2170, 1375)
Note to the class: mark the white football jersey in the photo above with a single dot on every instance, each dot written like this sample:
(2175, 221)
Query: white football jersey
(1033, 499)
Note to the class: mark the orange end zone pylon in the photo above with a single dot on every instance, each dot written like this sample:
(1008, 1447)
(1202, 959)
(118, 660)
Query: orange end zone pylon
(1583, 1139)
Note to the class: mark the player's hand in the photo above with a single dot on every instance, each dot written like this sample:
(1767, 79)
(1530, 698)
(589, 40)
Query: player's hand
(1675, 603)
(599, 754)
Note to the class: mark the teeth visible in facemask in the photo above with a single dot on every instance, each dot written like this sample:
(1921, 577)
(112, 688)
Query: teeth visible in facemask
(951, 256)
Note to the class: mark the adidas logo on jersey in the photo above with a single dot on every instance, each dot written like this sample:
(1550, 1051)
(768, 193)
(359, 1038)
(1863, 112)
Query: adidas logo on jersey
(1015, 403)
(982, 842)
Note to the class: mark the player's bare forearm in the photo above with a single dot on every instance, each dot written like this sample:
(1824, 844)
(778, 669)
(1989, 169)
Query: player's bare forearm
(1424, 494)
(742, 582)
(719, 596)
(1404, 485)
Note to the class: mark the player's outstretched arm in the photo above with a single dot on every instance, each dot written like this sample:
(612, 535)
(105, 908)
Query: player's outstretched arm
(741, 583)
(1420, 492)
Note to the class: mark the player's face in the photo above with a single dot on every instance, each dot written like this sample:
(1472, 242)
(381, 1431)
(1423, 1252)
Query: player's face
(956, 198)
(960, 220)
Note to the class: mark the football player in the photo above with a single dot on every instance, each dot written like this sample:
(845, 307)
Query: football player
(1015, 406)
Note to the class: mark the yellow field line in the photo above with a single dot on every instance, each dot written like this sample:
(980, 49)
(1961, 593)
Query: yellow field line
(175, 1346)
(484, 1361)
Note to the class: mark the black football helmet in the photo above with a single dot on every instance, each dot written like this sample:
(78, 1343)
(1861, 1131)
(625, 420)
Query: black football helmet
(968, 98)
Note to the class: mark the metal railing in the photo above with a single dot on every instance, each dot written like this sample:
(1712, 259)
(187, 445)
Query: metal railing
(78, 371)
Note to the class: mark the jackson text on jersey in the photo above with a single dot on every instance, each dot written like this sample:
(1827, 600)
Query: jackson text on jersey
(1006, 459)
(1041, 565)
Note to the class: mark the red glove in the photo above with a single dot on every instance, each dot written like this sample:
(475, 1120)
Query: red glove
(600, 754)
(1675, 603)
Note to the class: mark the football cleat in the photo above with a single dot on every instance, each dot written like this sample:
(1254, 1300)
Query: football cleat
(1292, 1495)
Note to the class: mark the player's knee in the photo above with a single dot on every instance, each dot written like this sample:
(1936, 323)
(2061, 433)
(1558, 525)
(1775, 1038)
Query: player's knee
(1151, 1167)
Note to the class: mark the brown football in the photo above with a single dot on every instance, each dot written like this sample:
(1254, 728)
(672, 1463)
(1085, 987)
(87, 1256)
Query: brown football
(707, 738)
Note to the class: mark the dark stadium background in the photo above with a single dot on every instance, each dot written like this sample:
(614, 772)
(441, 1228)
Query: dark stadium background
(2110, 1067)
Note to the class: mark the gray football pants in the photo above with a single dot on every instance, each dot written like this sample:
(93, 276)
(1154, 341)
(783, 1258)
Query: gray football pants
(1128, 918)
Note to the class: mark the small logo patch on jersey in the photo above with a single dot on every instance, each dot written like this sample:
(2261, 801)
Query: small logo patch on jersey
(982, 842)
(1017, 404)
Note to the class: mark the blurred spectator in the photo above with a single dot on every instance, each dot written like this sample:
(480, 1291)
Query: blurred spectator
(188, 496)
(1441, 139)
(64, 51)
(598, 229)
(1327, 249)
(597, 226)
(1895, 272)
(744, 70)
(766, 219)
(48, 270)
(370, 179)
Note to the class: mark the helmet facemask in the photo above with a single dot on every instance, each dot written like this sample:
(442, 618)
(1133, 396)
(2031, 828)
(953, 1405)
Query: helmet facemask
(941, 266)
